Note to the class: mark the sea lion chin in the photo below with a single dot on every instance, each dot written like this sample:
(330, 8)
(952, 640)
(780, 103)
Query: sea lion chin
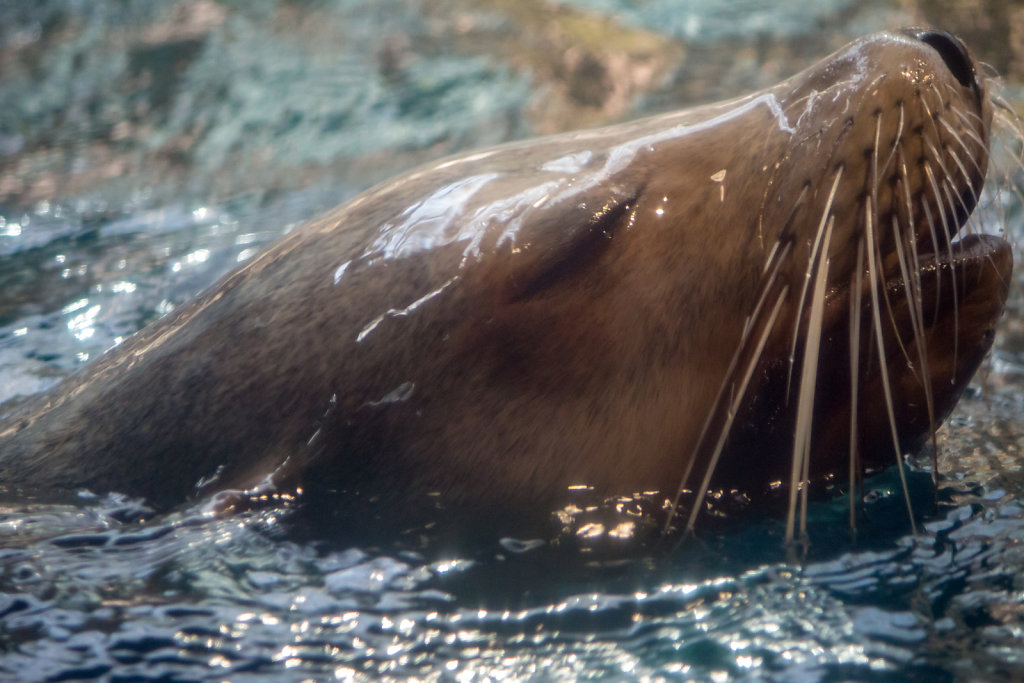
(761, 289)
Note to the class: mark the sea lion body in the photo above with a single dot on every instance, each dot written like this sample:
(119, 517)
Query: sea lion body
(497, 327)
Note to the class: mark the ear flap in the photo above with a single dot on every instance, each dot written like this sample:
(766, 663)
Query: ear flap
(564, 238)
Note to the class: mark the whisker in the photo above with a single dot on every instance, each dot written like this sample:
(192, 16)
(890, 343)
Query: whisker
(935, 249)
(969, 127)
(1005, 182)
(796, 206)
(975, 194)
(1004, 113)
(897, 237)
(1011, 133)
(956, 158)
(949, 249)
(967, 114)
(915, 304)
(856, 294)
(716, 405)
(912, 276)
(904, 273)
(807, 276)
(733, 408)
(805, 403)
(874, 274)
(989, 72)
(897, 139)
(963, 145)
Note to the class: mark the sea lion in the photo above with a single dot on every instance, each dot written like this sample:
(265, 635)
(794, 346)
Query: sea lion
(703, 298)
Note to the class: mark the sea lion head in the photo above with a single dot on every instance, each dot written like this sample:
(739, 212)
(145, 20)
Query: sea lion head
(750, 283)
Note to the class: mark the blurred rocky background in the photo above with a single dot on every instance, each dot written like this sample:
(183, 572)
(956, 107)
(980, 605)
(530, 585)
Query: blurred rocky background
(114, 105)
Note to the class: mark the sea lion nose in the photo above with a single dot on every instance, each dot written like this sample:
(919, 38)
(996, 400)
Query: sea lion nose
(953, 52)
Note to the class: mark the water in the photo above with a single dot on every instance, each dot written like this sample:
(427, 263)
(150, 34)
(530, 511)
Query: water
(146, 148)
(101, 591)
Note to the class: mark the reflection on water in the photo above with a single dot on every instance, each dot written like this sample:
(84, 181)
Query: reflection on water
(102, 591)
(146, 148)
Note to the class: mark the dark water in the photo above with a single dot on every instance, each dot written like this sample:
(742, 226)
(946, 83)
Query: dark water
(146, 147)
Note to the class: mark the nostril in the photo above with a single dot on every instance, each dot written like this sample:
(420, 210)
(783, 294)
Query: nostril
(953, 52)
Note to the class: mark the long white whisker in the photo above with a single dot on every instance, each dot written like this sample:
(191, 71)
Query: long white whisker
(855, 315)
(897, 139)
(905, 274)
(733, 408)
(727, 380)
(949, 250)
(969, 128)
(874, 275)
(963, 146)
(805, 402)
(807, 276)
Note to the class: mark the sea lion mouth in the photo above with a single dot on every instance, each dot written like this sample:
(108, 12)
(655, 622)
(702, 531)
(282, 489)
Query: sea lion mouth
(934, 328)
(962, 255)
(970, 250)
